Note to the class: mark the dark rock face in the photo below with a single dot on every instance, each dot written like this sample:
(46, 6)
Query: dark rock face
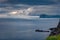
(40, 30)
(58, 25)
(55, 31)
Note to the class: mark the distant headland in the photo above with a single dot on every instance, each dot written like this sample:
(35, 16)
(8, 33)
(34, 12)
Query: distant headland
(49, 16)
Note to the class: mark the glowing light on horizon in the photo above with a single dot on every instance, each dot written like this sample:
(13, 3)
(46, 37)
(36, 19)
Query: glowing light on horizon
(22, 12)
(13, 13)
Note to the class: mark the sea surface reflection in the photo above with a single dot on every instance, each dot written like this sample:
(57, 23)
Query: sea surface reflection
(22, 29)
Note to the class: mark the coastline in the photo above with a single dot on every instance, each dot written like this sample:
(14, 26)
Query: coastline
(55, 33)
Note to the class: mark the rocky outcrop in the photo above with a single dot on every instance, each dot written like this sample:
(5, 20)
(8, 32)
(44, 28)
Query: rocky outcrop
(55, 31)
(40, 30)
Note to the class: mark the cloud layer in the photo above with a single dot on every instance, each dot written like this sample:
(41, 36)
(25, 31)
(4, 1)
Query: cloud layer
(31, 2)
(20, 9)
(1, 1)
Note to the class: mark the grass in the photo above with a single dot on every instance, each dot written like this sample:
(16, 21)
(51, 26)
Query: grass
(56, 37)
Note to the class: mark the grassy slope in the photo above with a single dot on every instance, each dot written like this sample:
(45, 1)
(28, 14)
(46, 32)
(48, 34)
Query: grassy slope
(56, 37)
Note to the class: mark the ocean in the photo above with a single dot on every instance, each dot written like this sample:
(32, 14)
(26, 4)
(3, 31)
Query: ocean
(23, 29)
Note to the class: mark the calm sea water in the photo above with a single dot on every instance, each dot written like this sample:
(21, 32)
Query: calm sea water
(22, 29)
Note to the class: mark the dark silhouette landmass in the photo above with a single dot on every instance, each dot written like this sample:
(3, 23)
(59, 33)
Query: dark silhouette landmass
(49, 16)
(40, 30)
(55, 31)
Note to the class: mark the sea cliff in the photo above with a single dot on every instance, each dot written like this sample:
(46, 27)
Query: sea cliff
(55, 33)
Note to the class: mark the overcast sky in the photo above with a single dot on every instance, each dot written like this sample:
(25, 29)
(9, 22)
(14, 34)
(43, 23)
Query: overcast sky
(30, 7)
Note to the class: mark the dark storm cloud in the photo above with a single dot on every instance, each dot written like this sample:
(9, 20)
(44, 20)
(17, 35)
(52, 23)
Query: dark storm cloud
(3, 1)
(33, 2)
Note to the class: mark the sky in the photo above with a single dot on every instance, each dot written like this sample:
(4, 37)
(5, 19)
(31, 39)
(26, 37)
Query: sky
(31, 2)
(29, 7)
